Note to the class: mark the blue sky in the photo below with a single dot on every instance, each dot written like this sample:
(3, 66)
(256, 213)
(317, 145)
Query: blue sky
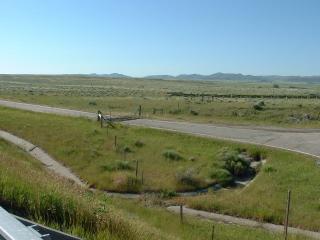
(142, 37)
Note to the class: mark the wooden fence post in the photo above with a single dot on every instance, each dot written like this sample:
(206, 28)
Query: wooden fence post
(137, 165)
(287, 216)
(181, 213)
(142, 177)
(212, 232)
(140, 110)
(115, 141)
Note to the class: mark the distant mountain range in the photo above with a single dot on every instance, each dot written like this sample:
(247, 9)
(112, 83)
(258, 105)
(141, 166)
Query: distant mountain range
(223, 77)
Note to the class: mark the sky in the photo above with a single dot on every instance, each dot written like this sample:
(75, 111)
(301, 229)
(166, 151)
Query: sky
(144, 37)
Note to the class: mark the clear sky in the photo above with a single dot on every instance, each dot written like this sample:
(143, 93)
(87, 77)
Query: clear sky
(142, 37)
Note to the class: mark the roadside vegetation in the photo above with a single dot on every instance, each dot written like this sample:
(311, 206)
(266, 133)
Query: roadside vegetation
(170, 162)
(265, 198)
(28, 190)
(251, 103)
(130, 159)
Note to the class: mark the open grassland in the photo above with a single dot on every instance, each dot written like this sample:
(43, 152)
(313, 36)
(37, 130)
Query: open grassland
(28, 190)
(142, 159)
(82, 145)
(265, 198)
(172, 100)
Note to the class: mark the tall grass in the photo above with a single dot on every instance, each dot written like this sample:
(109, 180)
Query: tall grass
(90, 152)
(28, 190)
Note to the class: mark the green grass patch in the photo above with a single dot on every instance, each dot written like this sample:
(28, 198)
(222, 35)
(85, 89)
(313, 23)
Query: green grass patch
(27, 189)
(265, 198)
(90, 152)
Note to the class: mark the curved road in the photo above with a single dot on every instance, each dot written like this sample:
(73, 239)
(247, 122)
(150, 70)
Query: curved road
(299, 140)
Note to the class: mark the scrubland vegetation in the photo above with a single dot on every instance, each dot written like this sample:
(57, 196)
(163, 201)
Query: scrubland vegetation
(27, 189)
(284, 104)
(144, 160)
(138, 160)
(173, 162)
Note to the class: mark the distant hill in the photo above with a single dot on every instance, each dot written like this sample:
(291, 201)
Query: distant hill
(222, 77)
(111, 75)
(237, 77)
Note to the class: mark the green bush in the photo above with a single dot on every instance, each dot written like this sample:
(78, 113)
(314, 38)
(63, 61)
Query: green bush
(194, 113)
(175, 111)
(93, 103)
(172, 155)
(139, 143)
(235, 163)
(259, 105)
(118, 165)
(123, 165)
(222, 176)
(256, 154)
(188, 177)
(126, 149)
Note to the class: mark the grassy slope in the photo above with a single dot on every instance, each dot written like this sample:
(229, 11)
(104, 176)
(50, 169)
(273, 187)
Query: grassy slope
(265, 198)
(90, 152)
(124, 96)
(74, 142)
(58, 203)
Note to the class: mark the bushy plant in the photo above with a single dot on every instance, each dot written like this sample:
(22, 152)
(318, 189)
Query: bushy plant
(93, 103)
(126, 149)
(222, 176)
(172, 155)
(117, 166)
(235, 162)
(194, 113)
(259, 105)
(188, 177)
(175, 111)
(139, 143)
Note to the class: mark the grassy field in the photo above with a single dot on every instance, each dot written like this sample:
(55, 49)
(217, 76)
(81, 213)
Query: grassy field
(166, 161)
(82, 145)
(123, 96)
(29, 190)
(265, 198)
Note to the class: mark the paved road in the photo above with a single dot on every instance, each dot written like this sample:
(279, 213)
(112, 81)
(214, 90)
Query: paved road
(304, 142)
(298, 140)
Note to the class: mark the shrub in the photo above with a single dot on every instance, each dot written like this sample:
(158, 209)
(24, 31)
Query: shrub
(269, 169)
(175, 111)
(222, 176)
(235, 163)
(172, 155)
(126, 149)
(188, 177)
(93, 103)
(259, 105)
(193, 112)
(117, 166)
(123, 165)
(257, 155)
(139, 143)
